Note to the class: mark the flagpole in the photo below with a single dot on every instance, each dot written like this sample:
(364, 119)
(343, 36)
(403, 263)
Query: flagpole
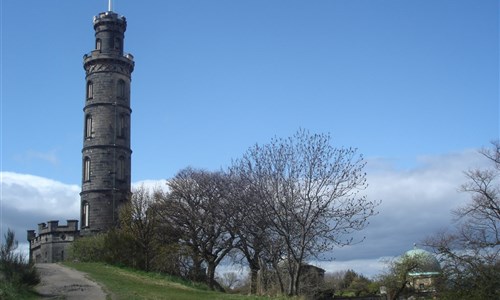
(110, 5)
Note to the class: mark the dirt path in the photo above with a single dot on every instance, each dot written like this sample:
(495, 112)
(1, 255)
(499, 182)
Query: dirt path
(60, 282)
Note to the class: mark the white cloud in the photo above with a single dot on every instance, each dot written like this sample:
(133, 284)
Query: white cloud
(28, 200)
(28, 193)
(151, 184)
(416, 203)
(367, 267)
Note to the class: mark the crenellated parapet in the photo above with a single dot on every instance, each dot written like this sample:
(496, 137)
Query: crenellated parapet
(52, 241)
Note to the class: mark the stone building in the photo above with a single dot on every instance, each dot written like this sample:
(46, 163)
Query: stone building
(423, 278)
(106, 152)
(52, 242)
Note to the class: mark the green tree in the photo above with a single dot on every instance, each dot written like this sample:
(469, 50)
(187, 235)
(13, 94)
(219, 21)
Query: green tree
(139, 222)
(398, 277)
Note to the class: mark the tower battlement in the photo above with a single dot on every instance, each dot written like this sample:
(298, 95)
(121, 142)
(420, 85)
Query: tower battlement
(52, 242)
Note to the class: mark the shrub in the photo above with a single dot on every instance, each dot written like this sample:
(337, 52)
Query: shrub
(88, 249)
(16, 273)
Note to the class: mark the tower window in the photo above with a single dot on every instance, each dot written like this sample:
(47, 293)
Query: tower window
(86, 169)
(118, 44)
(85, 214)
(88, 126)
(121, 168)
(98, 44)
(121, 89)
(90, 89)
(121, 126)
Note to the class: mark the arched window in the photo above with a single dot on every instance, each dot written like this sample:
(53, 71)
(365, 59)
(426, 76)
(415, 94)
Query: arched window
(118, 44)
(86, 169)
(122, 126)
(98, 44)
(120, 90)
(121, 168)
(85, 214)
(88, 126)
(90, 90)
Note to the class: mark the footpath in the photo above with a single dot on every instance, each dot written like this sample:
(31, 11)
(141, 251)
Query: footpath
(60, 282)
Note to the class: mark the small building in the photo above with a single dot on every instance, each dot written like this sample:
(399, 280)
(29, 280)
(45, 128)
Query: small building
(423, 278)
(52, 242)
(312, 281)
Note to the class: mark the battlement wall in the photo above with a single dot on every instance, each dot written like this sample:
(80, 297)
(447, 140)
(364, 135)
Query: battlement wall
(52, 242)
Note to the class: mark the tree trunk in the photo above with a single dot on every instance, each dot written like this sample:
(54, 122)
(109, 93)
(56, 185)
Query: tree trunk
(291, 285)
(399, 290)
(297, 279)
(196, 271)
(211, 274)
(146, 258)
(278, 274)
(294, 274)
(254, 276)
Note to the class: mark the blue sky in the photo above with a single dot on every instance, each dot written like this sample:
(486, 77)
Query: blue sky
(413, 84)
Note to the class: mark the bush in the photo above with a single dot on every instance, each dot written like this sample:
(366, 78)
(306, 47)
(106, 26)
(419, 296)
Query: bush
(88, 249)
(112, 247)
(16, 274)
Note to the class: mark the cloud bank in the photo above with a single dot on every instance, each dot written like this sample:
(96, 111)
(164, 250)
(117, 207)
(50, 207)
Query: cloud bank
(416, 202)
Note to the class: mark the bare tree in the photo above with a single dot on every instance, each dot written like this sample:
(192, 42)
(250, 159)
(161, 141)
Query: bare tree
(230, 280)
(470, 252)
(251, 224)
(197, 206)
(481, 226)
(309, 191)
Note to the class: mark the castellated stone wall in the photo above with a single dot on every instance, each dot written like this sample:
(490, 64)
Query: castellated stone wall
(52, 242)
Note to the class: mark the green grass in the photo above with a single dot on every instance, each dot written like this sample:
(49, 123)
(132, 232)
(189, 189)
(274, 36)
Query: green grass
(131, 284)
(8, 291)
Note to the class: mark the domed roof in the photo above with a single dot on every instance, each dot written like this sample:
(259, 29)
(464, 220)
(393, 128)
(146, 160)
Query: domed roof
(426, 262)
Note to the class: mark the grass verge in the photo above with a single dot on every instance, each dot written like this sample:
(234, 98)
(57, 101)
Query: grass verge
(8, 291)
(127, 284)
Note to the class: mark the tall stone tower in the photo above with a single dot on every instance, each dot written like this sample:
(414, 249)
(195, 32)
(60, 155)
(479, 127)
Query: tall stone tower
(106, 153)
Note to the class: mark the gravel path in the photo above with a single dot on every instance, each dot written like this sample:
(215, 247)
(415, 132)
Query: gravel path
(60, 282)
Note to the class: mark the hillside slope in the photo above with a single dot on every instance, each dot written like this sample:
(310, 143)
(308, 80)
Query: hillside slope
(130, 284)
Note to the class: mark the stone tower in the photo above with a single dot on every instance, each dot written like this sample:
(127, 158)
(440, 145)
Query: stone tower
(106, 153)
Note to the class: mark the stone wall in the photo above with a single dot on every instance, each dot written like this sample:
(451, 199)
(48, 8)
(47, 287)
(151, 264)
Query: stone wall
(52, 242)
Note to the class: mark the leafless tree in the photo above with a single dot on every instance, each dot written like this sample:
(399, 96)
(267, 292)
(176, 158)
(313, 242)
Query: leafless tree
(197, 206)
(481, 216)
(230, 280)
(309, 192)
(251, 225)
(471, 252)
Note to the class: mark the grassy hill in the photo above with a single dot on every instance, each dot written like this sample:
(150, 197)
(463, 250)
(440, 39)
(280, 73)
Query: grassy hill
(131, 284)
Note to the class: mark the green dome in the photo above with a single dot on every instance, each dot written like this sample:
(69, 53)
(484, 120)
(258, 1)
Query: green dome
(427, 264)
